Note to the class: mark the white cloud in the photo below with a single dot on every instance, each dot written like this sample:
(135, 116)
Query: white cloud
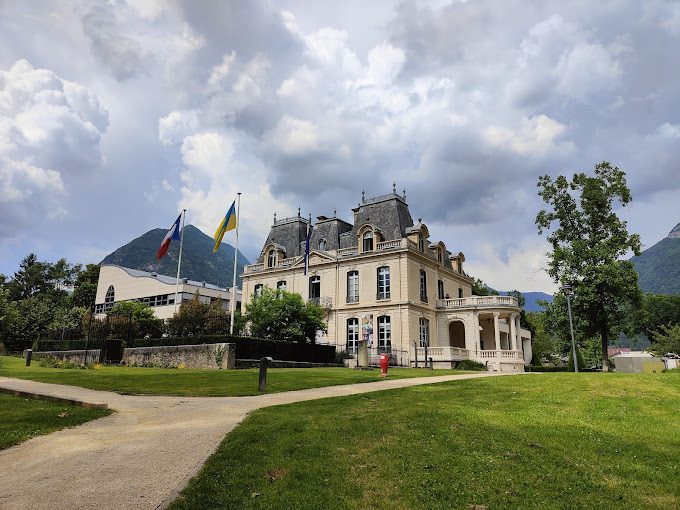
(51, 130)
(534, 136)
(176, 125)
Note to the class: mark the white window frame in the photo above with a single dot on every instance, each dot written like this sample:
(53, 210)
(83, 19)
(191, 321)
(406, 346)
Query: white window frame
(384, 333)
(353, 286)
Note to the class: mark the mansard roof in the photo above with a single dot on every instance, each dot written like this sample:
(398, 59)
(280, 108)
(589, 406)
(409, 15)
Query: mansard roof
(388, 213)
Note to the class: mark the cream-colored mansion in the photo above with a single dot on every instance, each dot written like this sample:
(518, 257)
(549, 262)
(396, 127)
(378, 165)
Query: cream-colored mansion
(383, 280)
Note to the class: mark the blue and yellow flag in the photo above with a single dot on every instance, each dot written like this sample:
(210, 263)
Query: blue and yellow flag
(228, 223)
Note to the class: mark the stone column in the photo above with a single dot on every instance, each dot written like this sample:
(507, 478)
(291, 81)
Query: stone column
(519, 335)
(475, 326)
(513, 332)
(496, 329)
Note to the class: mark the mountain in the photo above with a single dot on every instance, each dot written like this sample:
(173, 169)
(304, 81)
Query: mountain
(531, 300)
(198, 261)
(658, 267)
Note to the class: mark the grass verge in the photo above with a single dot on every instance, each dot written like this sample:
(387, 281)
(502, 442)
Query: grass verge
(23, 418)
(544, 441)
(201, 383)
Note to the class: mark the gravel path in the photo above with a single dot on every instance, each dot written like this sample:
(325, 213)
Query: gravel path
(142, 455)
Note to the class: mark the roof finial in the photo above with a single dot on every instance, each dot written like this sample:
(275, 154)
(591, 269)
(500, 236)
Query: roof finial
(394, 187)
(275, 217)
(363, 196)
(298, 211)
(310, 218)
(335, 213)
(404, 190)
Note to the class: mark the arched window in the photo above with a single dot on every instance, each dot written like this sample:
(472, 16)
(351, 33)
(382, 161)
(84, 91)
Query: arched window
(353, 286)
(352, 334)
(368, 241)
(271, 258)
(281, 285)
(322, 244)
(421, 242)
(383, 283)
(424, 332)
(440, 289)
(108, 299)
(258, 290)
(423, 286)
(110, 295)
(384, 334)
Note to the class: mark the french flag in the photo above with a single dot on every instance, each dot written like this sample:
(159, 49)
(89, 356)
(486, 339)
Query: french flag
(173, 233)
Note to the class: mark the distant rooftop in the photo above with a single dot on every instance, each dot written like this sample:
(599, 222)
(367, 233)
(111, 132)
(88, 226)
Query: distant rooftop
(169, 280)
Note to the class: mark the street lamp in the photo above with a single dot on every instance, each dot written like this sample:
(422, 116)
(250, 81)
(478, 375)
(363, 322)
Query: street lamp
(567, 292)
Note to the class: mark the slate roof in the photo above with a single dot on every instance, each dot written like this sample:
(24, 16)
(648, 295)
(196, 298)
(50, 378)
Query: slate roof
(329, 229)
(388, 213)
(290, 234)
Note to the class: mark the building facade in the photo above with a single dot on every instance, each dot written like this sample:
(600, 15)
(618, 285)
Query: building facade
(118, 283)
(381, 279)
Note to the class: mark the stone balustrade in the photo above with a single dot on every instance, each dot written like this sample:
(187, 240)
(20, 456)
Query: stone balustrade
(497, 354)
(478, 301)
(445, 353)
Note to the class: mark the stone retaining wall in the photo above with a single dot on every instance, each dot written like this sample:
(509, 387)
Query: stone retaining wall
(191, 356)
(221, 355)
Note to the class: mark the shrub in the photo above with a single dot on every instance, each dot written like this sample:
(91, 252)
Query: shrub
(579, 358)
(468, 364)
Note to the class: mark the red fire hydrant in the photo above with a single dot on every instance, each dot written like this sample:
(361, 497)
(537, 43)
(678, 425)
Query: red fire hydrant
(384, 363)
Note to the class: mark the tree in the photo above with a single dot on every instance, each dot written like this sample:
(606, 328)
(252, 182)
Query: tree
(542, 344)
(141, 319)
(666, 340)
(282, 315)
(588, 239)
(479, 288)
(85, 286)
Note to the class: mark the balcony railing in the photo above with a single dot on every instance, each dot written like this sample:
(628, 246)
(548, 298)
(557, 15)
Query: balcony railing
(253, 268)
(445, 353)
(497, 354)
(323, 301)
(477, 301)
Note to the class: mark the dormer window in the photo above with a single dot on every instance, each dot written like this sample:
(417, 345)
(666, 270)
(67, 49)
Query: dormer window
(421, 242)
(322, 244)
(271, 258)
(440, 258)
(368, 241)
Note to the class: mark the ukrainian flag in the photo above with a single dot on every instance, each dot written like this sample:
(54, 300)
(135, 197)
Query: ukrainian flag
(228, 223)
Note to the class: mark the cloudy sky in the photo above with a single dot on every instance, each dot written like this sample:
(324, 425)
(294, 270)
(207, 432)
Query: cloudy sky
(115, 115)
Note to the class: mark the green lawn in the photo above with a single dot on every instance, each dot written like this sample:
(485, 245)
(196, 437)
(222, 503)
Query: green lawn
(207, 383)
(562, 441)
(23, 418)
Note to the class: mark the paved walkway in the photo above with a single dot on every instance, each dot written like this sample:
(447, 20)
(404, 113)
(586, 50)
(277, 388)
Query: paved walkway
(142, 455)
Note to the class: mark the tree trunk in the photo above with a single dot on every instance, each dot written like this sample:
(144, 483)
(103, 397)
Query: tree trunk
(604, 333)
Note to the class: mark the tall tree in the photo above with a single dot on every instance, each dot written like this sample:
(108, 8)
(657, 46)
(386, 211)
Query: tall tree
(588, 240)
(282, 315)
(85, 286)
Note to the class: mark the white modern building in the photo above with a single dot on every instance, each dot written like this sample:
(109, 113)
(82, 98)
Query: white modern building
(118, 283)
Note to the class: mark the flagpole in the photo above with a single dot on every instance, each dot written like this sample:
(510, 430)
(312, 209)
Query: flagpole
(179, 260)
(233, 285)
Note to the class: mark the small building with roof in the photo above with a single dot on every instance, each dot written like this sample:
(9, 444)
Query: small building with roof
(382, 279)
(117, 283)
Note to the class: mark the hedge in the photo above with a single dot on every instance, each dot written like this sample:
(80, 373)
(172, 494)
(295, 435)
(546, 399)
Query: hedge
(546, 369)
(65, 345)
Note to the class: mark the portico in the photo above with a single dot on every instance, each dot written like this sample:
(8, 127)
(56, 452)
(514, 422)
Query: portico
(481, 328)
